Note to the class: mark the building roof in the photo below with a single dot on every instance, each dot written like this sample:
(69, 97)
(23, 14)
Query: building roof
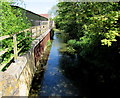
(44, 15)
(28, 11)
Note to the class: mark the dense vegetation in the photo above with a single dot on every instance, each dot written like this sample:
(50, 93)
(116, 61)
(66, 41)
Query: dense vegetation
(92, 31)
(89, 24)
(12, 21)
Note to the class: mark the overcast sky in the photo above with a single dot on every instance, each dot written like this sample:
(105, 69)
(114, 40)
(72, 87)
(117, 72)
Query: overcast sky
(39, 6)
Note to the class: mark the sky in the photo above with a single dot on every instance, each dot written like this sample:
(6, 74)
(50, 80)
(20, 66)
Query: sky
(39, 6)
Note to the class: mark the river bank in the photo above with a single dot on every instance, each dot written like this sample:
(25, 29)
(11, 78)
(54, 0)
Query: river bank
(36, 83)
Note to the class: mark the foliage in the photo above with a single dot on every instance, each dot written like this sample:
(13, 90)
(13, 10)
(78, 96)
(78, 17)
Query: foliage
(89, 25)
(67, 50)
(93, 30)
(12, 21)
(48, 43)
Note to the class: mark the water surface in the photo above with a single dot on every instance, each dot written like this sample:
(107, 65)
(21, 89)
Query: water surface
(54, 82)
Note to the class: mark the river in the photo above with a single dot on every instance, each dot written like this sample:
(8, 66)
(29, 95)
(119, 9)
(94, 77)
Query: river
(54, 82)
(68, 75)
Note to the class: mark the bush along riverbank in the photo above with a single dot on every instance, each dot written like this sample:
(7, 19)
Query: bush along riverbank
(94, 77)
(35, 86)
(92, 37)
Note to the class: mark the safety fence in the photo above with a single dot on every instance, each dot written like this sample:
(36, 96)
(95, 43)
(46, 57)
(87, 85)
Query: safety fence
(32, 32)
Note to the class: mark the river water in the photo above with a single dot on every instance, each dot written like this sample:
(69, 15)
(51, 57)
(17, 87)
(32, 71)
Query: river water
(71, 75)
(54, 82)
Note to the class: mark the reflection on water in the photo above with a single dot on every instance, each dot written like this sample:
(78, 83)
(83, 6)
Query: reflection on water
(54, 82)
(66, 72)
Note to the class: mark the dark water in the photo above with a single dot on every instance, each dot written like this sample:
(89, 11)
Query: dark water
(54, 82)
(71, 75)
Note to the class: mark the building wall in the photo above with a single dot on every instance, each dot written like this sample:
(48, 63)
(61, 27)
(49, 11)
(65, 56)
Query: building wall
(32, 17)
(35, 19)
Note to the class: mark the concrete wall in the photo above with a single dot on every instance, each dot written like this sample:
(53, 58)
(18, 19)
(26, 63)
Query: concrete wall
(16, 80)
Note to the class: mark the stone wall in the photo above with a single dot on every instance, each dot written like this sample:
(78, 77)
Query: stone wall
(17, 79)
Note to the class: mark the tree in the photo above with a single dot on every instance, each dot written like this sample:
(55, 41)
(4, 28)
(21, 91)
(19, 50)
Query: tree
(91, 24)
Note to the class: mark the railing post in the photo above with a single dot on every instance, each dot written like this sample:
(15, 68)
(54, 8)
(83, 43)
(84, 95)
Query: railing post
(25, 33)
(48, 24)
(40, 27)
(36, 31)
(15, 47)
(31, 31)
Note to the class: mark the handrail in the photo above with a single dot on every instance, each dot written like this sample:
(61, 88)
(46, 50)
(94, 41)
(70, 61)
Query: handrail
(37, 31)
(4, 51)
(20, 49)
(4, 37)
